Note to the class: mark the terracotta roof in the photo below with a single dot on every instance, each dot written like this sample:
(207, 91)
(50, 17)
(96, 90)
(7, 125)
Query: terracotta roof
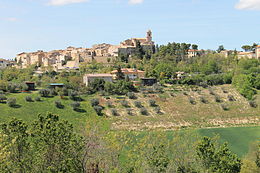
(245, 53)
(128, 70)
(99, 75)
(194, 50)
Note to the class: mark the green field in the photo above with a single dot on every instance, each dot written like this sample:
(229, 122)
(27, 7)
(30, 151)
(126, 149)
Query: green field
(238, 138)
(28, 111)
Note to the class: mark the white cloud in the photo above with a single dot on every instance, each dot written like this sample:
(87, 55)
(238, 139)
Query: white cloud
(248, 5)
(65, 2)
(11, 19)
(136, 1)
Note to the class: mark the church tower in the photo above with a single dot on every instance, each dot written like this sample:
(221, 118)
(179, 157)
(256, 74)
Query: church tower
(149, 36)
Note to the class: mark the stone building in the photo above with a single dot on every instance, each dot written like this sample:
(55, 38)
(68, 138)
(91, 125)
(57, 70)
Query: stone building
(128, 47)
(5, 63)
(131, 73)
(194, 52)
(249, 55)
(88, 78)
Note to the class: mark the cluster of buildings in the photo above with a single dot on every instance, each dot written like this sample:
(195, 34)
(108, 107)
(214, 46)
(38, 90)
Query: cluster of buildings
(249, 54)
(6, 63)
(71, 57)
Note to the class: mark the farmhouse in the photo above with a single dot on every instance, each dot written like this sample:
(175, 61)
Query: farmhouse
(4, 63)
(131, 73)
(88, 78)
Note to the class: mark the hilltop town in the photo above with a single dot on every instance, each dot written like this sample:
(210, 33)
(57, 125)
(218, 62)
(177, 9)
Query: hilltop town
(72, 57)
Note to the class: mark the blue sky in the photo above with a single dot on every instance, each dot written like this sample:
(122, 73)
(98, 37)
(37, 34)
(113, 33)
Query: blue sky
(30, 25)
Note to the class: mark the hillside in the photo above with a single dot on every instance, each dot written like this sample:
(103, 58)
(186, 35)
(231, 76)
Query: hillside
(177, 111)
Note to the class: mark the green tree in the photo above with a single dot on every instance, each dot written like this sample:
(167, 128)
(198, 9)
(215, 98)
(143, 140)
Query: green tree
(220, 48)
(194, 46)
(247, 48)
(55, 146)
(217, 158)
(16, 146)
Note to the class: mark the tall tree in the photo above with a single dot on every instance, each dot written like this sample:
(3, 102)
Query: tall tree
(247, 48)
(195, 47)
(220, 48)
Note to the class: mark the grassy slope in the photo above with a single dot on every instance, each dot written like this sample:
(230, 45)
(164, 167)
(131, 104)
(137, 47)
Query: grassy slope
(29, 110)
(178, 112)
(238, 138)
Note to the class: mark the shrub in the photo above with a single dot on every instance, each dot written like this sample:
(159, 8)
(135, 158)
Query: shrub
(38, 99)
(12, 87)
(28, 99)
(192, 100)
(11, 102)
(44, 92)
(59, 105)
(75, 105)
(157, 110)
(109, 104)
(224, 90)
(53, 92)
(73, 95)
(131, 95)
(114, 112)
(143, 111)
(129, 111)
(231, 98)
(185, 93)
(94, 102)
(98, 110)
(211, 91)
(2, 98)
(102, 93)
(173, 95)
(152, 103)
(203, 100)
(64, 92)
(224, 107)
(23, 87)
(218, 99)
(125, 103)
(253, 104)
(138, 104)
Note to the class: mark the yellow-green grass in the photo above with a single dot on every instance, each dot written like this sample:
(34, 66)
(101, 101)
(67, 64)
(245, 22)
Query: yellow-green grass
(238, 138)
(179, 112)
(28, 111)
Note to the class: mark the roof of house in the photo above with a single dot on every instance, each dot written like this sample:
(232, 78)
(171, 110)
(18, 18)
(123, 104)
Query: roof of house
(194, 50)
(245, 53)
(56, 84)
(128, 70)
(72, 64)
(99, 75)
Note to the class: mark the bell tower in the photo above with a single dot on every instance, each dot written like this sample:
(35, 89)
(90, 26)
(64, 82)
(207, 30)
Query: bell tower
(149, 36)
